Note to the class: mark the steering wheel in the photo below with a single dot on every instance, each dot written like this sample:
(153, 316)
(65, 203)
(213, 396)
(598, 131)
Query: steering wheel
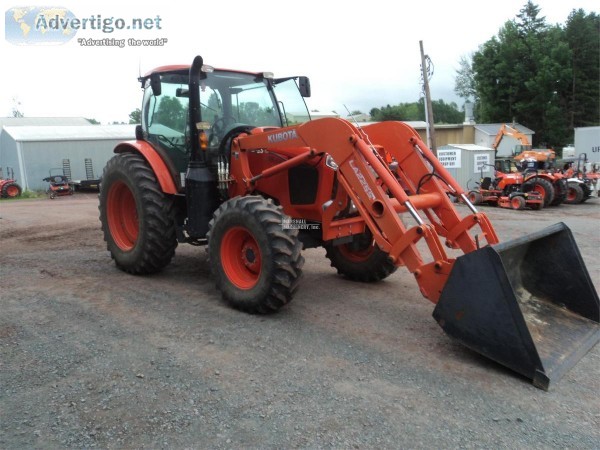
(217, 128)
(225, 146)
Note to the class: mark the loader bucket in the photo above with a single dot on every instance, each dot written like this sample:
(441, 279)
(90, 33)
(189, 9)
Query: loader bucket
(528, 304)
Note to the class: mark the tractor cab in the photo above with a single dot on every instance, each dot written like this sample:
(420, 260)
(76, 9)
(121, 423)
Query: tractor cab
(230, 102)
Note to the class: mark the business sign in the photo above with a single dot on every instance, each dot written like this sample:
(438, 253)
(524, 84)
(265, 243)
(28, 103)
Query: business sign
(450, 159)
(481, 162)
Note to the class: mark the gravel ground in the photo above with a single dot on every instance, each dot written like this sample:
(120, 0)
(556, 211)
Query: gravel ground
(93, 357)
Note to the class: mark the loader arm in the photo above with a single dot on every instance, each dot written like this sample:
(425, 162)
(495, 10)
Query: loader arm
(418, 186)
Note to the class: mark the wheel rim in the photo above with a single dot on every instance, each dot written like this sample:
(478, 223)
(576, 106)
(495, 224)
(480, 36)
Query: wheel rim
(539, 190)
(516, 203)
(12, 191)
(353, 253)
(571, 194)
(122, 216)
(241, 258)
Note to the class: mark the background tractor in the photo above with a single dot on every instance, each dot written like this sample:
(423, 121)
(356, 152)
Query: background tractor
(507, 191)
(228, 159)
(9, 188)
(537, 166)
(583, 179)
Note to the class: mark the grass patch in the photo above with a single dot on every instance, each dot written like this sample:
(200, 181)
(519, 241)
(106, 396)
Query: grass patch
(26, 195)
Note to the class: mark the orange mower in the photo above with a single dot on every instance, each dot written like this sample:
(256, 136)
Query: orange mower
(505, 191)
(58, 185)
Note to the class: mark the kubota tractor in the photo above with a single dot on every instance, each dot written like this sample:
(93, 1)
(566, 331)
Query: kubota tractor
(549, 183)
(506, 191)
(583, 179)
(228, 159)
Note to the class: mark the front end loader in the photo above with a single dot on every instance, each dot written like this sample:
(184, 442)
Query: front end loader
(231, 160)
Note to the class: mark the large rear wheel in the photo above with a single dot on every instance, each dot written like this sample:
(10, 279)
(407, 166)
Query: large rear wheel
(256, 262)
(11, 190)
(137, 217)
(360, 260)
(575, 194)
(542, 187)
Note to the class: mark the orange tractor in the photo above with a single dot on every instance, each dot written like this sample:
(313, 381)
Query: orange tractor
(9, 188)
(506, 190)
(221, 160)
(537, 166)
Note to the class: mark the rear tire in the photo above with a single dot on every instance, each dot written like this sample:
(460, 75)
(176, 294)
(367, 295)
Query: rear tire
(11, 190)
(541, 186)
(360, 260)
(575, 194)
(560, 192)
(137, 217)
(256, 263)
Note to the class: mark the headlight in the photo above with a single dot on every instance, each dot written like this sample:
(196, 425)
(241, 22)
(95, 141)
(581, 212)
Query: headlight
(329, 162)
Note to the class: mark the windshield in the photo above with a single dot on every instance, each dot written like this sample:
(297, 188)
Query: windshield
(227, 100)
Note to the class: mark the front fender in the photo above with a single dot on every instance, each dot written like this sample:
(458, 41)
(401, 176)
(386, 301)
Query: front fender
(157, 163)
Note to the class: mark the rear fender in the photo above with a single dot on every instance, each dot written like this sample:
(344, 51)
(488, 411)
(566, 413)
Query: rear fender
(157, 163)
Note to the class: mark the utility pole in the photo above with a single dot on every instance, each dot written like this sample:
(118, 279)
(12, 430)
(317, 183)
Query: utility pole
(426, 68)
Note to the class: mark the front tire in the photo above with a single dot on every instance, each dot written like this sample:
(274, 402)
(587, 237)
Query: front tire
(360, 260)
(517, 203)
(137, 217)
(256, 263)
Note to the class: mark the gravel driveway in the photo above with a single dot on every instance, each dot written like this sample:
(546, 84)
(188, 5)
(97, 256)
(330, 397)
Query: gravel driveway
(93, 357)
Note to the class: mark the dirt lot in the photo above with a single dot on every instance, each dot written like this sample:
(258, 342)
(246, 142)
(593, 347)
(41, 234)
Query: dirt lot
(93, 357)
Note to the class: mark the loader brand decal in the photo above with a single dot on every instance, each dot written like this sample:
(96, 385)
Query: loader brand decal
(282, 136)
(363, 181)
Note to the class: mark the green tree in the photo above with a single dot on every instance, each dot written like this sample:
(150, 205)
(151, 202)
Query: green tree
(442, 112)
(93, 121)
(446, 112)
(582, 33)
(135, 116)
(545, 77)
(464, 84)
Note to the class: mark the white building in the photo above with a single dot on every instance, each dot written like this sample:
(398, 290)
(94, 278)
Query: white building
(31, 151)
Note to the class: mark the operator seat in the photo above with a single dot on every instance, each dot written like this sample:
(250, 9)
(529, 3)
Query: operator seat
(486, 183)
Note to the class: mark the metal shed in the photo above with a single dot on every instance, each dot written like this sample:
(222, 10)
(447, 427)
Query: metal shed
(31, 151)
(467, 162)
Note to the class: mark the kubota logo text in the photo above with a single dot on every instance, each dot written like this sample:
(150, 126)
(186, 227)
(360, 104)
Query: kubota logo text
(283, 136)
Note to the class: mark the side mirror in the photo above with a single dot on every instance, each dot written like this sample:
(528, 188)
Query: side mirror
(304, 86)
(155, 84)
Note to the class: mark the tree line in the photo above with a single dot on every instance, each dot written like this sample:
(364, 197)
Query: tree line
(546, 77)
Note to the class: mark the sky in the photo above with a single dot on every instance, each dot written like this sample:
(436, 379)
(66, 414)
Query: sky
(358, 54)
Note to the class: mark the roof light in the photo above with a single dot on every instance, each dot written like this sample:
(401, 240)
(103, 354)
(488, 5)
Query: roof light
(268, 75)
(207, 69)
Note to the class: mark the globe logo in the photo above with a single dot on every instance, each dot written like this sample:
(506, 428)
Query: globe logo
(38, 25)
